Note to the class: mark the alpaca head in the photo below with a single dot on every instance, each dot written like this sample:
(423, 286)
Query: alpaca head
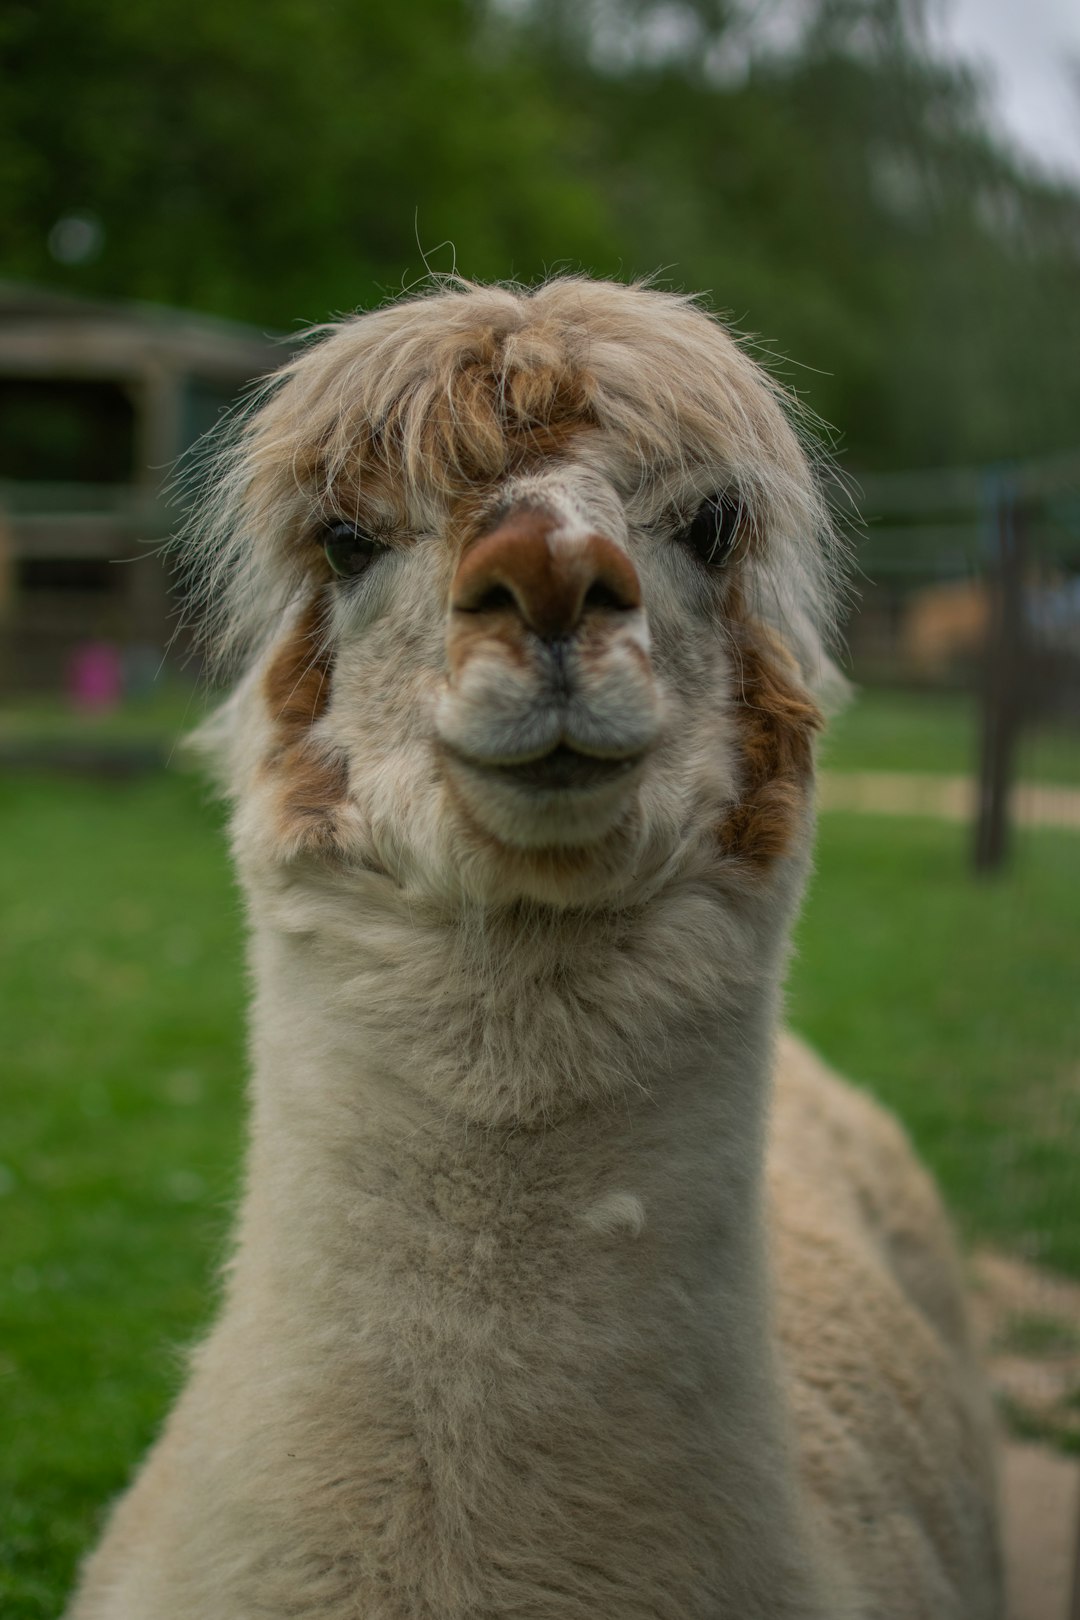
(530, 587)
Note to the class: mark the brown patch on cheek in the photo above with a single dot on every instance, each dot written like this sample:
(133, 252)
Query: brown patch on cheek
(312, 792)
(297, 683)
(776, 724)
(311, 783)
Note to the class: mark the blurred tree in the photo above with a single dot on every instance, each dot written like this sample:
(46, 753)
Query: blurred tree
(835, 187)
(274, 160)
(842, 193)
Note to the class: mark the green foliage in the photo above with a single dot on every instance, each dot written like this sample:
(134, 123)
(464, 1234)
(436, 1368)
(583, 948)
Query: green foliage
(844, 197)
(276, 161)
(836, 189)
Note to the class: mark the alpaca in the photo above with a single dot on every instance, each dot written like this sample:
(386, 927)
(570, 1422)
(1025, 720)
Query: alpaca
(565, 1288)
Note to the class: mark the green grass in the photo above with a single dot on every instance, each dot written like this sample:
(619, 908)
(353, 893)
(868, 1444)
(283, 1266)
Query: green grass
(122, 967)
(1032, 1334)
(956, 1002)
(122, 991)
(162, 714)
(885, 730)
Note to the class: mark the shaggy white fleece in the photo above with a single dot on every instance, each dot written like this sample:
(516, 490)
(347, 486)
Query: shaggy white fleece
(560, 1290)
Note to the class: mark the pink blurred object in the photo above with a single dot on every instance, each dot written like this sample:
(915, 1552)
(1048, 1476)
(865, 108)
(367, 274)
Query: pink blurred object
(96, 677)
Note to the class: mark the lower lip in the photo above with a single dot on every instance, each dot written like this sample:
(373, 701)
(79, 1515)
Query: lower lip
(562, 770)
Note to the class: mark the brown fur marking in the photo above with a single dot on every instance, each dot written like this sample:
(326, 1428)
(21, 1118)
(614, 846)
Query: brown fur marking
(297, 689)
(503, 405)
(314, 786)
(297, 682)
(776, 727)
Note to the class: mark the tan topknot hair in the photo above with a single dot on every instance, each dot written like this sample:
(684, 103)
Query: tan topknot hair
(447, 391)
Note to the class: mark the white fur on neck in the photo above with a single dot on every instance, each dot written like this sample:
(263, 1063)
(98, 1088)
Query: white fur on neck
(525, 1151)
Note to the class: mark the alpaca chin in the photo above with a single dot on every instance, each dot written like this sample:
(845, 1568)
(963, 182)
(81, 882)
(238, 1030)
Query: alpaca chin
(524, 813)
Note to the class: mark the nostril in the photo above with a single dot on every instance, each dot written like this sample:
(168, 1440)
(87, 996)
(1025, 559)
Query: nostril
(601, 595)
(494, 600)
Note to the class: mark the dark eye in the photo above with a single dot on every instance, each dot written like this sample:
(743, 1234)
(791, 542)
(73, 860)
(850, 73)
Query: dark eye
(349, 551)
(711, 532)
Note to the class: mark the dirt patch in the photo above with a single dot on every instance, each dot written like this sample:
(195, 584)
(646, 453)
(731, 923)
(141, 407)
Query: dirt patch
(948, 798)
(1040, 1495)
(1027, 1322)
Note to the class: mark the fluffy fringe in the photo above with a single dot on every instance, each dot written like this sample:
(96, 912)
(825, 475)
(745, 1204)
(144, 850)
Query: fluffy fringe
(420, 403)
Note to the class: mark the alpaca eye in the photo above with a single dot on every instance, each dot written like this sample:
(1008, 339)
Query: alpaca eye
(348, 551)
(711, 533)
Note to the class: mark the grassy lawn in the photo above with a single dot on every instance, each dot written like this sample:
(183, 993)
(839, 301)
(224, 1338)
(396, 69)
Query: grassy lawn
(163, 713)
(885, 730)
(956, 1002)
(122, 993)
(122, 967)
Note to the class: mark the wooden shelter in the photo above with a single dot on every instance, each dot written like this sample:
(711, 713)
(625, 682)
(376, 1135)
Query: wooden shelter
(97, 401)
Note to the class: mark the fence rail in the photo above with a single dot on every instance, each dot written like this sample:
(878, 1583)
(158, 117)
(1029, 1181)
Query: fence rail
(1004, 530)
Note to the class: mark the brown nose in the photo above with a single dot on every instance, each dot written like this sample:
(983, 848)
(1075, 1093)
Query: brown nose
(517, 569)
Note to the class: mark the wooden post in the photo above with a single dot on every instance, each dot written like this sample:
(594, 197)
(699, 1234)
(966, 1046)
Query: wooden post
(1003, 679)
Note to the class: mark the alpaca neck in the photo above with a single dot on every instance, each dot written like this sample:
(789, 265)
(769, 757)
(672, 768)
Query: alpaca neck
(601, 1043)
(522, 1162)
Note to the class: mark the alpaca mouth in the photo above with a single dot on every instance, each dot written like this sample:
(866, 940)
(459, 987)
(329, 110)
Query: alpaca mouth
(563, 769)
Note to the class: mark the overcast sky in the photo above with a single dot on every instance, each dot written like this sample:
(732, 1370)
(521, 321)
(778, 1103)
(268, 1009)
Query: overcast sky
(1028, 46)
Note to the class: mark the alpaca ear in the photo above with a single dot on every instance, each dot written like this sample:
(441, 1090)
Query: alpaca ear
(796, 631)
(833, 691)
(209, 746)
(819, 671)
(233, 738)
(795, 590)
